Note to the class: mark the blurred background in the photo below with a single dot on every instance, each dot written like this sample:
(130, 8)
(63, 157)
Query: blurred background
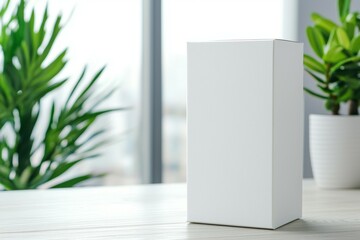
(143, 44)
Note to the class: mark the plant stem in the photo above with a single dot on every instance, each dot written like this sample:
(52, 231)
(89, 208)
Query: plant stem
(353, 107)
(24, 141)
(336, 106)
(335, 110)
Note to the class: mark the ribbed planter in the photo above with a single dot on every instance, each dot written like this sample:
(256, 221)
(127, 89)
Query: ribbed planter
(335, 150)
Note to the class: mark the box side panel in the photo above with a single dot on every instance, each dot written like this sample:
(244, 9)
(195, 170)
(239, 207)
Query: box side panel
(229, 109)
(288, 131)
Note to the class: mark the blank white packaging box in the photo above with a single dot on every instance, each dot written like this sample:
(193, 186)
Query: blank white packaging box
(245, 132)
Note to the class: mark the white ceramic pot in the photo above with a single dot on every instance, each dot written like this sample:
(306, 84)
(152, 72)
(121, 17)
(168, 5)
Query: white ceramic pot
(335, 150)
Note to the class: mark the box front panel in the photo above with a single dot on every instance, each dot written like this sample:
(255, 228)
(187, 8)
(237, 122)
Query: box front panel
(229, 133)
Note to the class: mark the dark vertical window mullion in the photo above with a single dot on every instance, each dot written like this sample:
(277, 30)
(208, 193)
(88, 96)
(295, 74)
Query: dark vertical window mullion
(151, 119)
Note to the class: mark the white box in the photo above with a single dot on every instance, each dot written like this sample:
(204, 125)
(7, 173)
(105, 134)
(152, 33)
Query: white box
(245, 132)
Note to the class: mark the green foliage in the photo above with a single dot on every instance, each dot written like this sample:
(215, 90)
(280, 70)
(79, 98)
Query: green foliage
(29, 160)
(336, 69)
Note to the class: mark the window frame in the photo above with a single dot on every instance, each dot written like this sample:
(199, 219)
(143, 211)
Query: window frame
(150, 152)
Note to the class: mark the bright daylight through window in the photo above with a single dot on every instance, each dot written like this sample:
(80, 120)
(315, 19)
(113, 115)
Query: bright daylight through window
(99, 33)
(196, 20)
(112, 33)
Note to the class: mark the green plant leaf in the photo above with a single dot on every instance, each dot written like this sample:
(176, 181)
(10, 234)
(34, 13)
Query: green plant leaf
(355, 44)
(330, 104)
(353, 83)
(92, 82)
(345, 61)
(313, 64)
(55, 31)
(92, 115)
(344, 8)
(315, 94)
(343, 38)
(323, 32)
(40, 179)
(7, 184)
(314, 76)
(42, 31)
(6, 91)
(332, 42)
(51, 70)
(349, 70)
(72, 182)
(23, 180)
(65, 166)
(334, 55)
(316, 40)
(324, 89)
(82, 98)
(350, 24)
(4, 171)
(76, 86)
(346, 96)
(43, 91)
(4, 8)
(325, 24)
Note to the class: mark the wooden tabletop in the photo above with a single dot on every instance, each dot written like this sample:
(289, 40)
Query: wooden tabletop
(159, 212)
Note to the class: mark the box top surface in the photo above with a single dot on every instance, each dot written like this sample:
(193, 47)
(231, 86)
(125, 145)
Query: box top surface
(244, 40)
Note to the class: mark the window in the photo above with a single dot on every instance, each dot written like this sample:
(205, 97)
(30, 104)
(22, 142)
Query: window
(196, 20)
(98, 33)
(112, 33)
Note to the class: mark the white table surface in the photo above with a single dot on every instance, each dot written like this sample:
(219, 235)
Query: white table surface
(159, 212)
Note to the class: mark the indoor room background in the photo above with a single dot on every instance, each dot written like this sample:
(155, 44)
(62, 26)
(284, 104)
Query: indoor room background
(143, 46)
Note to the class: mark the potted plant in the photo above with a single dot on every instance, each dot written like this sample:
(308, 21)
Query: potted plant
(335, 138)
(29, 160)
